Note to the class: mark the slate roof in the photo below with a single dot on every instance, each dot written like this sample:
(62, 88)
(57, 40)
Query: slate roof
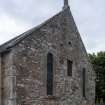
(8, 45)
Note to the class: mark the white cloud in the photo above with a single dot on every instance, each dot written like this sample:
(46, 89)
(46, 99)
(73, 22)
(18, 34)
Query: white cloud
(10, 27)
(89, 16)
(16, 16)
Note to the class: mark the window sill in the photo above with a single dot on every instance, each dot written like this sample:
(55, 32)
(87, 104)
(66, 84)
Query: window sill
(84, 98)
(51, 97)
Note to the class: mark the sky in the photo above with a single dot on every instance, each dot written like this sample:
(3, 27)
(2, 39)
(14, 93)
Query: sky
(18, 16)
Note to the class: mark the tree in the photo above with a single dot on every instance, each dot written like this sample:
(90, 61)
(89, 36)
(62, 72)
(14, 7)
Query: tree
(98, 61)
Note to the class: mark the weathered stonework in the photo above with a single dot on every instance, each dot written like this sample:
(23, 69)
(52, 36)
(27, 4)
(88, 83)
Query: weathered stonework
(24, 65)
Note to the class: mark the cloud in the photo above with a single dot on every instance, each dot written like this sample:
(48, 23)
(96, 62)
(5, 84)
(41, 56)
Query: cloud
(16, 16)
(30, 10)
(89, 16)
(10, 27)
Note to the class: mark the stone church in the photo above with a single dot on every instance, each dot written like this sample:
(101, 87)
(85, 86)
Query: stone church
(47, 65)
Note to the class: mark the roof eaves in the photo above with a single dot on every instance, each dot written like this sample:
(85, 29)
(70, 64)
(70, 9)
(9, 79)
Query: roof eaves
(11, 43)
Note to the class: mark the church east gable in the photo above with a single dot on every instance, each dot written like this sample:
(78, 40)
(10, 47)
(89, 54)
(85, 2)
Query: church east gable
(47, 65)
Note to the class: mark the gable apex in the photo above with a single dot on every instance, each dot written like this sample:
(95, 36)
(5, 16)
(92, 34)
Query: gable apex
(11, 43)
(64, 14)
(66, 4)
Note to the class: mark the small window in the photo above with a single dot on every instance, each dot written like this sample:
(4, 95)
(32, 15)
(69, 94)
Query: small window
(84, 80)
(49, 74)
(69, 67)
(69, 43)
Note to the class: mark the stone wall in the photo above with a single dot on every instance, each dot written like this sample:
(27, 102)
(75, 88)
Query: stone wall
(8, 80)
(25, 67)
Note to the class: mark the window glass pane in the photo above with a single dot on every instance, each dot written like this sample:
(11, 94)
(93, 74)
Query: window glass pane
(49, 74)
(84, 79)
(69, 67)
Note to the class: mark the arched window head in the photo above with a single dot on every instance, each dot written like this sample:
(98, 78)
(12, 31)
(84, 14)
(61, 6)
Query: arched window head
(49, 74)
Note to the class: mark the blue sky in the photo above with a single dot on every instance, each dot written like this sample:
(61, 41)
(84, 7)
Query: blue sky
(17, 16)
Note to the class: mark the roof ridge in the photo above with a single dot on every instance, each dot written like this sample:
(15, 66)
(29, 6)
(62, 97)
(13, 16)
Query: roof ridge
(11, 43)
